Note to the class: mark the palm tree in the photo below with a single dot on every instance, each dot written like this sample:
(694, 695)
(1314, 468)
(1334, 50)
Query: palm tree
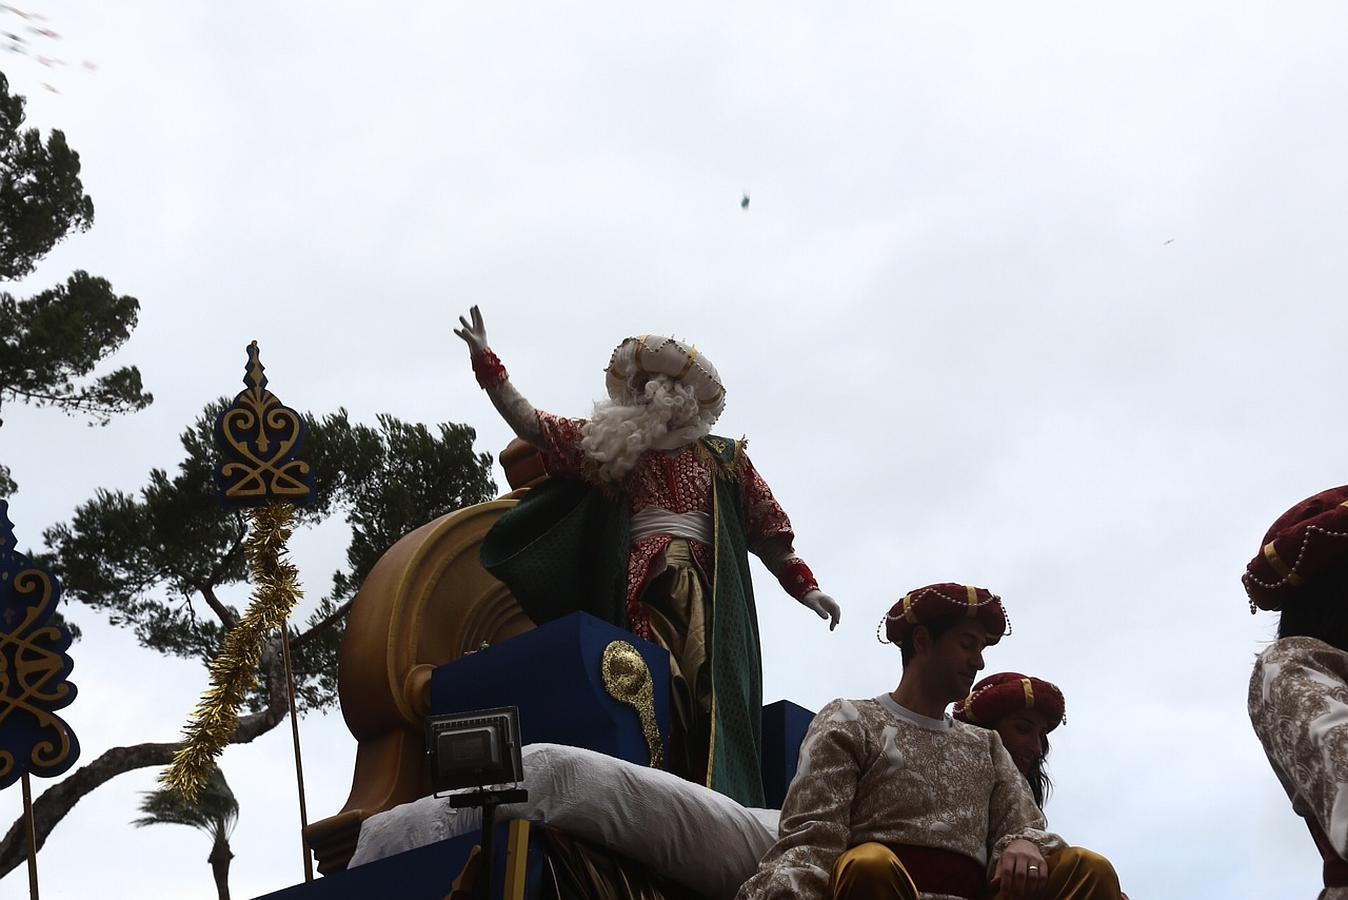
(216, 812)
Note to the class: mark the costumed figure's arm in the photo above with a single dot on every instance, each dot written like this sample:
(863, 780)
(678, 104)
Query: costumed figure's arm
(558, 438)
(817, 812)
(1017, 839)
(770, 537)
(1299, 708)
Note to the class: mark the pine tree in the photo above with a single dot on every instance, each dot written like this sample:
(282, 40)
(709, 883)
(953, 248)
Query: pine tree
(51, 342)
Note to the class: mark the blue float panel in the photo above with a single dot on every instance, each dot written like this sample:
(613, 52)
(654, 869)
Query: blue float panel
(784, 725)
(553, 675)
(425, 873)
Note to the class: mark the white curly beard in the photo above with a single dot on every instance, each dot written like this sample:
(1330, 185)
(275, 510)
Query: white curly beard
(665, 417)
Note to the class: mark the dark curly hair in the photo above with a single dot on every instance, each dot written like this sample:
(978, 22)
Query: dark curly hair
(1319, 609)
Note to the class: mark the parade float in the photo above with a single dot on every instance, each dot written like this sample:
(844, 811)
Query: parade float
(432, 633)
(522, 726)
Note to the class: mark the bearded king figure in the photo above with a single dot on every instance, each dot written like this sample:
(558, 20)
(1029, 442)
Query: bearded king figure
(646, 521)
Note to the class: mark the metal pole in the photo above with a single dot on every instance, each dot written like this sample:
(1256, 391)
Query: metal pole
(295, 734)
(32, 836)
(488, 833)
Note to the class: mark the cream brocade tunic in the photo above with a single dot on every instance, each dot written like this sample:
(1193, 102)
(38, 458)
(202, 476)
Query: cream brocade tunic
(871, 770)
(1299, 708)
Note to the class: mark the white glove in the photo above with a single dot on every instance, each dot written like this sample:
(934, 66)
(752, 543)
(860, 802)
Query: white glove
(474, 335)
(824, 605)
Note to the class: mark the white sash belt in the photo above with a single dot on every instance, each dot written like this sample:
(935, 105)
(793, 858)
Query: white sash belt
(695, 526)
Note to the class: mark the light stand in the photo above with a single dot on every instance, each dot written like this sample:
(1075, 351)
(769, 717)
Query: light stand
(488, 801)
(473, 749)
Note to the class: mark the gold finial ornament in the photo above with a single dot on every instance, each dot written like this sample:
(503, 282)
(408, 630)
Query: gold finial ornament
(628, 680)
(258, 438)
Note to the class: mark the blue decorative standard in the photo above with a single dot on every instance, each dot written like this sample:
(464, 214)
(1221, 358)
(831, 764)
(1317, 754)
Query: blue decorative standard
(34, 668)
(259, 439)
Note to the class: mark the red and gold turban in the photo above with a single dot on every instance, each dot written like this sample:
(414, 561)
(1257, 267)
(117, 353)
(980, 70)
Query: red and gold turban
(1305, 542)
(1008, 692)
(939, 601)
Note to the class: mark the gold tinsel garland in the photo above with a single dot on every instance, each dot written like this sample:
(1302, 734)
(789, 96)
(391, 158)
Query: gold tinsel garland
(234, 672)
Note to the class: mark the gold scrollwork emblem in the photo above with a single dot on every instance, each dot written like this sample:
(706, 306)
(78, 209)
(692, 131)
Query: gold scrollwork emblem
(258, 438)
(628, 680)
(34, 667)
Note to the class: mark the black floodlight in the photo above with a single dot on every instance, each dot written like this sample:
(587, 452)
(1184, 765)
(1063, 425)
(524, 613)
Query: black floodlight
(474, 749)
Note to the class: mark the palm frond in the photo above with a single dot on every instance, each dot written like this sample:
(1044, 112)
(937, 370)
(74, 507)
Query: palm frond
(215, 812)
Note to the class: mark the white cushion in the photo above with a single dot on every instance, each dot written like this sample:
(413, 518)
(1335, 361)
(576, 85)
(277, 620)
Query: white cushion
(684, 831)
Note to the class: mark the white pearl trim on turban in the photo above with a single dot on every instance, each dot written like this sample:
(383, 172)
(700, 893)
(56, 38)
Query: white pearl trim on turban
(653, 354)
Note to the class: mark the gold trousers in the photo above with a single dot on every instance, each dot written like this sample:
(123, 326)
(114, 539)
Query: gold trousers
(873, 872)
(677, 600)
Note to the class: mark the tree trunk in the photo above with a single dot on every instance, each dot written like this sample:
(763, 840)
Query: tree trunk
(56, 801)
(219, 860)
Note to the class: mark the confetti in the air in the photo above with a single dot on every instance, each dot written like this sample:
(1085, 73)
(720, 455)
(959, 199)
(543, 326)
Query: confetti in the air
(33, 44)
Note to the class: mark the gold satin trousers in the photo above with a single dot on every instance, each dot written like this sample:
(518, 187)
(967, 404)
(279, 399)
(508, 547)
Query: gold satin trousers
(679, 604)
(873, 872)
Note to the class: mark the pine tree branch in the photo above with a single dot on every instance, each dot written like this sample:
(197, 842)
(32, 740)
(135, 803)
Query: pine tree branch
(240, 535)
(70, 401)
(335, 616)
(226, 616)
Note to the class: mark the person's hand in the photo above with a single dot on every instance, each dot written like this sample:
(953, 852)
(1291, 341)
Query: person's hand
(1021, 872)
(474, 335)
(824, 605)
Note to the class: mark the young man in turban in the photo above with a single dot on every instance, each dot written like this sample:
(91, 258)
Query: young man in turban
(895, 799)
(1298, 699)
(647, 523)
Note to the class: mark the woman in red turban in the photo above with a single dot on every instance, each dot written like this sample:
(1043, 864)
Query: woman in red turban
(1023, 710)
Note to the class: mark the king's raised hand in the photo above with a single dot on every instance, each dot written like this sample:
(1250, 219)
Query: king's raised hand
(474, 333)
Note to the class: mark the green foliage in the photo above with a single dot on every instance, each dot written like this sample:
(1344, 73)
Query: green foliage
(60, 335)
(51, 342)
(41, 197)
(215, 812)
(151, 560)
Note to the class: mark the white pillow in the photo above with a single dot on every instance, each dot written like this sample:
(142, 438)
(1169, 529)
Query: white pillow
(684, 831)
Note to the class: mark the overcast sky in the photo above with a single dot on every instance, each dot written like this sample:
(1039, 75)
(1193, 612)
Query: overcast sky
(1045, 297)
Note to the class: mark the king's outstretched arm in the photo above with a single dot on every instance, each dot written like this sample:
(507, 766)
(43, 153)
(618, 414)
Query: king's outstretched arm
(518, 412)
(771, 538)
(798, 581)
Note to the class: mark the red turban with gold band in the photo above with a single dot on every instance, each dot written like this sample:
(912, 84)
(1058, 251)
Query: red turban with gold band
(1008, 692)
(941, 601)
(1308, 540)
